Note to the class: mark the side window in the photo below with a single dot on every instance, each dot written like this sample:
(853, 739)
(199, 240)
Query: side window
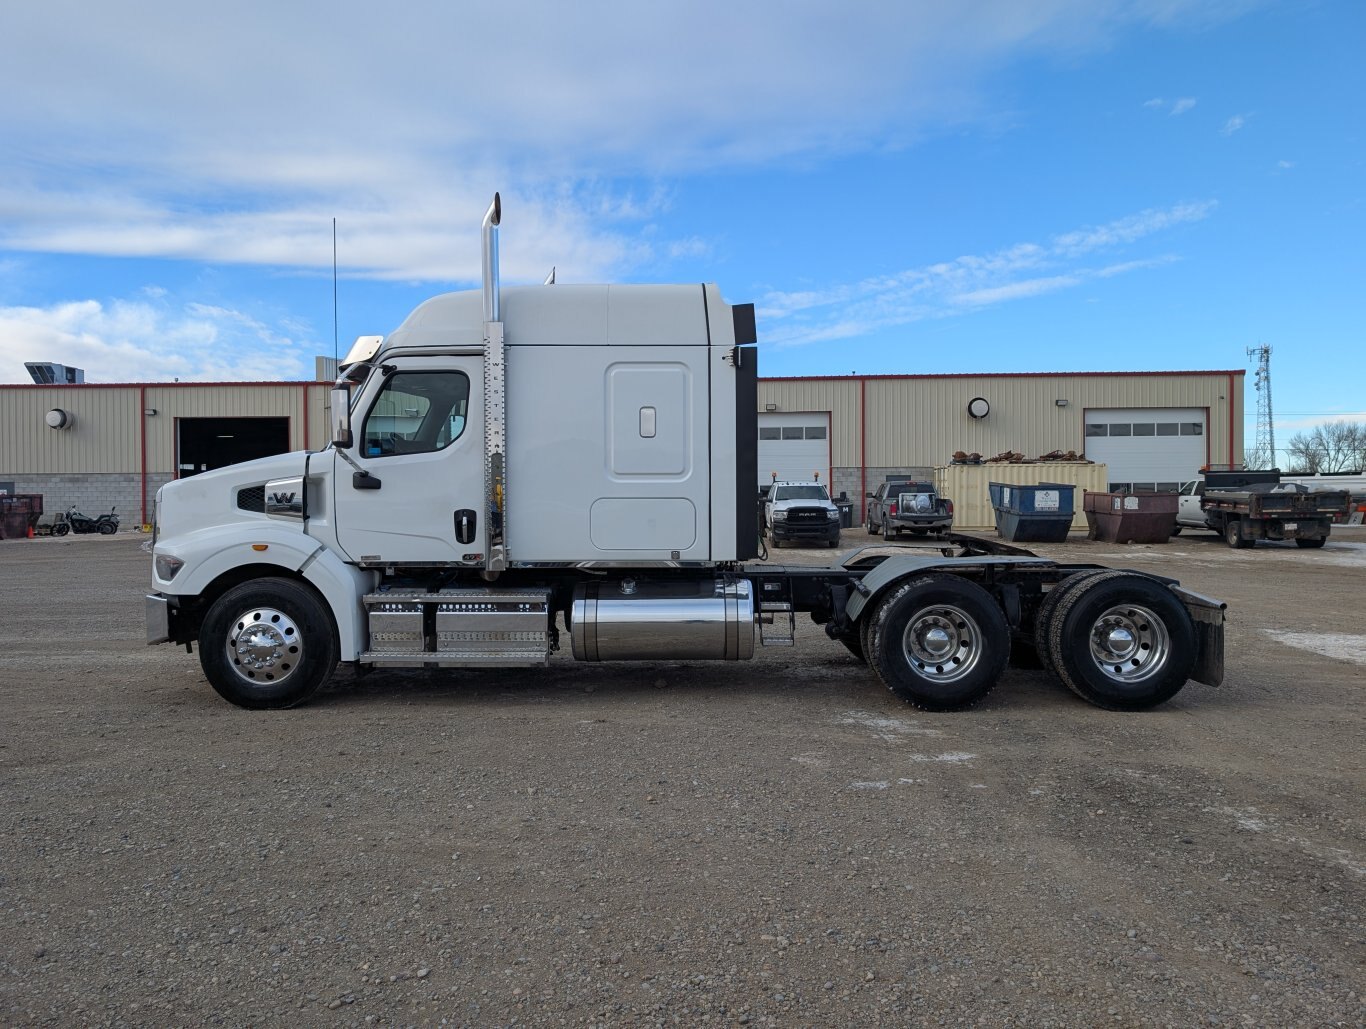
(417, 413)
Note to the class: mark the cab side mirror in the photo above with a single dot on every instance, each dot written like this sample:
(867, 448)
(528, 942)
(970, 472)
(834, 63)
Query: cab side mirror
(341, 418)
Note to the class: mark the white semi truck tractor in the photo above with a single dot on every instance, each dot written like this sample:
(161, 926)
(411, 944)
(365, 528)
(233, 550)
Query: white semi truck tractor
(513, 470)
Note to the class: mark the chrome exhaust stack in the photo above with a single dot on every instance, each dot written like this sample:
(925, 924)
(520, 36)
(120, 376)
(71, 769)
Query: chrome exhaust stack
(492, 307)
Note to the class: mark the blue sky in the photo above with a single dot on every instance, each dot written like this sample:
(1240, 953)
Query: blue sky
(984, 186)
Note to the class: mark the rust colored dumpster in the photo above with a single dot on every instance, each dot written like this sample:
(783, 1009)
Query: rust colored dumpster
(19, 513)
(1130, 517)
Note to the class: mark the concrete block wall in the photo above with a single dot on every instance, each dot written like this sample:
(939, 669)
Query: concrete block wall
(92, 494)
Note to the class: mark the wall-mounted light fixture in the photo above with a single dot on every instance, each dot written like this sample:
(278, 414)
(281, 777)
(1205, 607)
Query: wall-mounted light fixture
(1061, 401)
(149, 411)
(58, 419)
(770, 407)
(978, 407)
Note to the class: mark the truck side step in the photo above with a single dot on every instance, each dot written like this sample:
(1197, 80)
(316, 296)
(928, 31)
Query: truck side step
(777, 624)
(459, 628)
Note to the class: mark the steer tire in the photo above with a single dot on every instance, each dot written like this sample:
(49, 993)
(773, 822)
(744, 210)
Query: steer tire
(297, 649)
(939, 642)
(1122, 641)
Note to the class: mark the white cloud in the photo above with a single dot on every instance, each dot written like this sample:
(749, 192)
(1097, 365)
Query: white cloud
(1015, 290)
(1183, 105)
(140, 341)
(1155, 103)
(949, 288)
(1233, 125)
(236, 132)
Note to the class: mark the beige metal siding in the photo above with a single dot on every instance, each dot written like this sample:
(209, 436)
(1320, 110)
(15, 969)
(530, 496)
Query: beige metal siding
(108, 422)
(103, 435)
(914, 422)
(966, 486)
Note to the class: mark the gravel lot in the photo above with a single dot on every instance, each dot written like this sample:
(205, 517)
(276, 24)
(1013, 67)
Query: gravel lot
(772, 843)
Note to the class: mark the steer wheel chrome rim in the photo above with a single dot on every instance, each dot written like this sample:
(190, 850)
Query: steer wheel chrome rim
(943, 644)
(265, 646)
(1129, 643)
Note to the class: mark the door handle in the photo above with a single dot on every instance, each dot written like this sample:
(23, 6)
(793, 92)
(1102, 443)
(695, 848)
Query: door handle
(465, 523)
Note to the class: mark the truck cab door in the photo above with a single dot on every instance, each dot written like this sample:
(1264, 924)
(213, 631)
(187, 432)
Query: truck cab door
(418, 496)
(1188, 511)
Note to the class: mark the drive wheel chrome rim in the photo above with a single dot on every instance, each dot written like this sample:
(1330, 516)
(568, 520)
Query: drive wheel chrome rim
(1130, 643)
(943, 644)
(264, 646)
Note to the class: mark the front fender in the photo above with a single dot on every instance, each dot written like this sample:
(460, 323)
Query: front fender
(213, 552)
(210, 552)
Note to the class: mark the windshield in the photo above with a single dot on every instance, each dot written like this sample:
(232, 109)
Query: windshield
(800, 493)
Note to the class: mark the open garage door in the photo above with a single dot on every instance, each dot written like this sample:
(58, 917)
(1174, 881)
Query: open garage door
(1148, 448)
(794, 445)
(203, 444)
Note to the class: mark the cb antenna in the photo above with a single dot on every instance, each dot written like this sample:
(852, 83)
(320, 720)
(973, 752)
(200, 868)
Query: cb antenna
(336, 352)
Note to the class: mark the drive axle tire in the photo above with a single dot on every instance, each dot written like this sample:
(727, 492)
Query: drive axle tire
(1043, 617)
(1311, 543)
(1122, 641)
(938, 642)
(268, 643)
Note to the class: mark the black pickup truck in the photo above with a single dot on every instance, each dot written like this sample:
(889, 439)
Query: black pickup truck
(908, 504)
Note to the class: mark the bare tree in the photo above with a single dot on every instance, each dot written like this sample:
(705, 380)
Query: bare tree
(1330, 447)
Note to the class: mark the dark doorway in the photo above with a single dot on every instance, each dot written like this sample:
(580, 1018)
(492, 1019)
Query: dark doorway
(207, 443)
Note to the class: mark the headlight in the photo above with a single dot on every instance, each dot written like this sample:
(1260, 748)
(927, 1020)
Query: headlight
(780, 516)
(167, 566)
(834, 515)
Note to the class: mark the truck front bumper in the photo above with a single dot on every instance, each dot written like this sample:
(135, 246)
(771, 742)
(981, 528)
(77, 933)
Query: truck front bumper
(829, 533)
(161, 619)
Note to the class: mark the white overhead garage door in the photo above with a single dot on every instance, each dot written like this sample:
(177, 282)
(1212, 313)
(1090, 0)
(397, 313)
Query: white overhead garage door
(1148, 448)
(794, 445)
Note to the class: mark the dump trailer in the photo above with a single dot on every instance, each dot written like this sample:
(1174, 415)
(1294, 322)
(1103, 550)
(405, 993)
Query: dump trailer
(515, 471)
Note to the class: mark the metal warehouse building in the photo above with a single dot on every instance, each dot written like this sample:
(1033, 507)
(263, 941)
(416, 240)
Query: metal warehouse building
(1153, 430)
(96, 446)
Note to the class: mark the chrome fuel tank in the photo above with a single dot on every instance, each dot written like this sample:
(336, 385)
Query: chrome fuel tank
(635, 620)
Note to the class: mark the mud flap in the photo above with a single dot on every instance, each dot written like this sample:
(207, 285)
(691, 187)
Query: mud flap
(1207, 615)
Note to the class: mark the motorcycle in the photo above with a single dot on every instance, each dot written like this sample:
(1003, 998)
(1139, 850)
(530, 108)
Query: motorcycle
(74, 521)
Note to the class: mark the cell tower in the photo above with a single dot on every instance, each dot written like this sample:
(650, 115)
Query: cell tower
(1264, 452)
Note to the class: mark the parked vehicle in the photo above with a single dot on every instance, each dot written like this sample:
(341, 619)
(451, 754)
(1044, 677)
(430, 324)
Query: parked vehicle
(801, 512)
(911, 505)
(583, 473)
(73, 521)
(1264, 508)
